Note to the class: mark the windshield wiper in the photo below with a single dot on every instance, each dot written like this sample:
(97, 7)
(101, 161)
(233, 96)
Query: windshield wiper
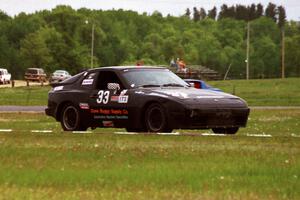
(149, 85)
(172, 85)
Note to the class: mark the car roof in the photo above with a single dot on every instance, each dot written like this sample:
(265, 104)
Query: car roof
(120, 68)
(193, 80)
(60, 70)
(35, 68)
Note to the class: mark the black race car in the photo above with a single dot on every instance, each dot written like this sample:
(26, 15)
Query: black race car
(142, 99)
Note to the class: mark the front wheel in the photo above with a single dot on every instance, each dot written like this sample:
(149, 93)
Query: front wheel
(232, 130)
(70, 120)
(156, 119)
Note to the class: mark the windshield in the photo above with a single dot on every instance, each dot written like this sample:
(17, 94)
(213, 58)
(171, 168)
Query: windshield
(153, 78)
(59, 72)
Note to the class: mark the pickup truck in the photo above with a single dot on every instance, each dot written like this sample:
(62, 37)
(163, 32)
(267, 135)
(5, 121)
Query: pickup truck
(4, 76)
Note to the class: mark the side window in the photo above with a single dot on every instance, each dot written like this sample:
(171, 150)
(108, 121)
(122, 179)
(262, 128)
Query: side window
(106, 77)
(89, 80)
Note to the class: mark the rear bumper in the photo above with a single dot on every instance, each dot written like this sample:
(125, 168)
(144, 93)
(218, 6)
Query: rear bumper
(49, 112)
(51, 109)
(35, 78)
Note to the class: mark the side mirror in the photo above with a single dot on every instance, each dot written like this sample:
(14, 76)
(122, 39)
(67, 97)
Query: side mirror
(113, 86)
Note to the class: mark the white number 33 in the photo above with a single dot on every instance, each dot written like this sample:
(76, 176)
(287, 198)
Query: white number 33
(103, 97)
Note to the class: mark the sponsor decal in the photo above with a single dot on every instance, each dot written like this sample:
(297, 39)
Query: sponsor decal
(113, 86)
(108, 123)
(123, 92)
(84, 106)
(110, 114)
(109, 111)
(123, 99)
(114, 98)
(110, 117)
(58, 88)
(87, 82)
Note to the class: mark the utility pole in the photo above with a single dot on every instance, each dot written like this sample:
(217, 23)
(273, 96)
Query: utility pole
(92, 43)
(92, 47)
(282, 53)
(248, 49)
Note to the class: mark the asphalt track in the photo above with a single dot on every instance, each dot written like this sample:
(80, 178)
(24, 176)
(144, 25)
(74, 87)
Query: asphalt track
(41, 109)
(21, 109)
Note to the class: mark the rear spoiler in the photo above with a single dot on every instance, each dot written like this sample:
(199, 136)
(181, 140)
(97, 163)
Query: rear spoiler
(56, 84)
(68, 81)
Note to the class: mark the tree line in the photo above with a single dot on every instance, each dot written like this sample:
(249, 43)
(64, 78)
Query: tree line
(240, 12)
(61, 39)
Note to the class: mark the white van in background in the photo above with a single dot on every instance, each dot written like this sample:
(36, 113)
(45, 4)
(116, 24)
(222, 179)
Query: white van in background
(4, 76)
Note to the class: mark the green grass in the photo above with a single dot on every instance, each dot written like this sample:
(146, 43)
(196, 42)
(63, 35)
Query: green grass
(208, 167)
(24, 96)
(267, 92)
(102, 165)
(264, 92)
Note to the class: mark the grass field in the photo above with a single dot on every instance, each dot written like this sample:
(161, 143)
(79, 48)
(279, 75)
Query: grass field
(264, 92)
(267, 92)
(24, 96)
(103, 165)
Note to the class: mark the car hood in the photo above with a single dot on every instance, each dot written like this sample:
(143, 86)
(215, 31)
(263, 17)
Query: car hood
(192, 93)
(193, 96)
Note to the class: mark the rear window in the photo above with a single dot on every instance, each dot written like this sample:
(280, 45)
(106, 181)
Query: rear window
(31, 71)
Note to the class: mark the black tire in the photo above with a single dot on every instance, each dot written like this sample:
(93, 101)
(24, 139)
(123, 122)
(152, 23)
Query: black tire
(232, 130)
(156, 119)
(70, 119)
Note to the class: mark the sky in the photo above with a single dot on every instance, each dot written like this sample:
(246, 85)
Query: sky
(173, 7)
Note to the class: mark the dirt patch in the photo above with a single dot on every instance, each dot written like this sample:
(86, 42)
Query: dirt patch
(22, 83)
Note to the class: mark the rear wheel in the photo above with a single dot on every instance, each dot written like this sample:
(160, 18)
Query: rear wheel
(232, 130)
(156, 119)
(70, 120)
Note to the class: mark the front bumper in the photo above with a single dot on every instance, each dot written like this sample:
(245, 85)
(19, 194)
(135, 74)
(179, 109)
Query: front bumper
(210, 118)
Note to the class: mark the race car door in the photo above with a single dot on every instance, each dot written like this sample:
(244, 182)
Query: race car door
(108, 102)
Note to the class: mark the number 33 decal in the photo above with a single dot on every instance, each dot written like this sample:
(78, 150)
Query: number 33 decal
(103, 97)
